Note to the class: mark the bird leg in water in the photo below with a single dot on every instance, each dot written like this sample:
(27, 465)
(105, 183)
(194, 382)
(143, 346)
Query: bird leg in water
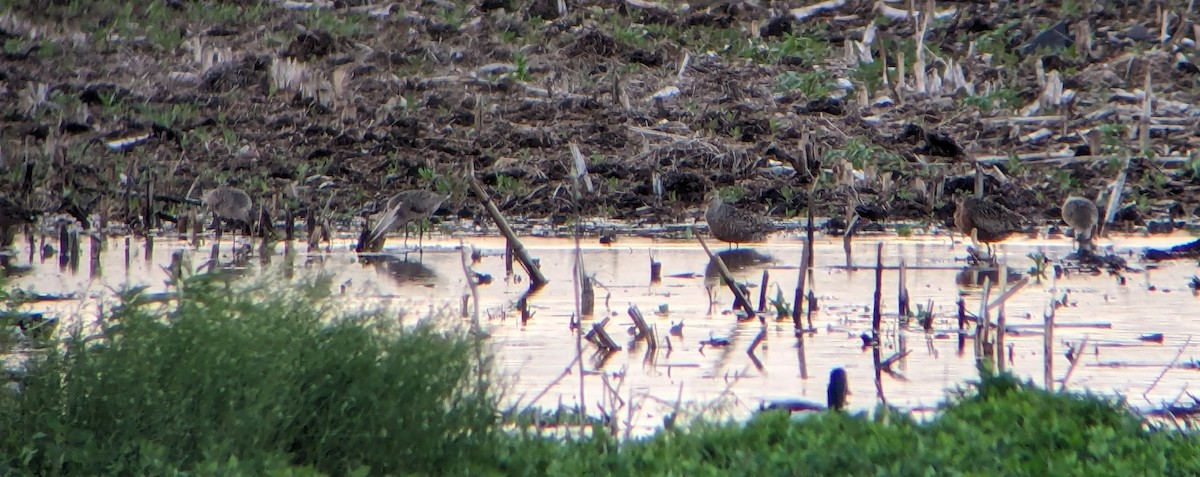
(980, 256)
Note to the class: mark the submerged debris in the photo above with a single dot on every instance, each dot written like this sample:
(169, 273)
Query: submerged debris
(1188, 250)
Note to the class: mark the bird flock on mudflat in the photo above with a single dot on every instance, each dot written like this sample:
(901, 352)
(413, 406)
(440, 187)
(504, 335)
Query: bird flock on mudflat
(979, 219)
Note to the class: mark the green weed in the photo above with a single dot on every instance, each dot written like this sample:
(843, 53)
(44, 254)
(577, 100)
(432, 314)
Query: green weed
(252, 378)
(814, 84)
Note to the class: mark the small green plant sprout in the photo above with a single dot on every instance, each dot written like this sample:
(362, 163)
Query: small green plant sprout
(783, 309)
(731, 194)
(814, 84)
(1038, 269)
(925, 316)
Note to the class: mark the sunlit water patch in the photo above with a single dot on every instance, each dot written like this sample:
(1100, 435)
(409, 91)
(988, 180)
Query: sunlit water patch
(537, 356)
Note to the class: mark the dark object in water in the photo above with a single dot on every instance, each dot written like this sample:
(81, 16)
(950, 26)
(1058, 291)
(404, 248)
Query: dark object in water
(1194, 283)
(1152, 338)
(868, 340)
(790, 405)
(1160, 226)
(715, 342)
(483, 278)
(1187, 250)
(736, 259)
(34, 326)
(400, 269)
(834, 226)
(1089, 258)
(835, 394)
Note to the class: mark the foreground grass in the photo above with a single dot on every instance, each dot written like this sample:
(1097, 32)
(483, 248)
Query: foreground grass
(268, 381)
(249, 380)
(1002, 427)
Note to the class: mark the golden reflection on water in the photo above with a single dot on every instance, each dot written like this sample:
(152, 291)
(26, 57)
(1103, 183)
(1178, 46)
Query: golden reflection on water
(536, 356)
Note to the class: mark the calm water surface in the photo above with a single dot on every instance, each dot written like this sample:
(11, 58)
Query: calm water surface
(536, 356)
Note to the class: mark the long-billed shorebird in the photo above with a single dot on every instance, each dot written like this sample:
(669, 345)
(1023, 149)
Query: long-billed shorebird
(1083, 217)
(985, 221)
(401, 209)
(731, 224)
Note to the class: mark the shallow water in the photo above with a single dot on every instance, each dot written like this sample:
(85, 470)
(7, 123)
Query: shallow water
(536, 356)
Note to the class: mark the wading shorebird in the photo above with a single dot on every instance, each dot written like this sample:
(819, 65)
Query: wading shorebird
(1083, 217)
(731, 224)
(229, 203)
(985, 221)
(401, 209)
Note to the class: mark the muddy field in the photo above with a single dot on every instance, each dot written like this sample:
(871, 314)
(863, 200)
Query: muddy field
(327, 107)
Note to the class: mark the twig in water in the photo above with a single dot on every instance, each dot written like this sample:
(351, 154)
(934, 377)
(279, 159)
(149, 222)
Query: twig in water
(727, 277)
(554, 382)
(762, 291)
(1074, 363)
(1048, 348)
(800, 283)
(1167, 368)
(473, 285)
(536, 277)
(644, 330)
(846, 242)
(876, 312)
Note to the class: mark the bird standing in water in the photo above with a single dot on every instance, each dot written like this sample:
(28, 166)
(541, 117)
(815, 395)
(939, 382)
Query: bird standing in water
(228, 203)
(401, 209)
(731, 224)
(985, 221)
(1083, 217)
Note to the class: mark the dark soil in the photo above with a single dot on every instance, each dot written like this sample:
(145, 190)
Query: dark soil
(407, 95)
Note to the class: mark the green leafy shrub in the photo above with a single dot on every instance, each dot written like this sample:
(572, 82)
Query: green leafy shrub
(251, 379)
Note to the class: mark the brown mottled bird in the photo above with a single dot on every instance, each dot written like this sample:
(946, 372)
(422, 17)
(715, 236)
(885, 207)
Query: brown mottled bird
(229, 203)
(731, 224)
(1081, 214)
(989, 221)
(401, 209)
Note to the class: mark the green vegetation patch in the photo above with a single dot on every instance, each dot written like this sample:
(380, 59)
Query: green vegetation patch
(255, 380)
(262, 377)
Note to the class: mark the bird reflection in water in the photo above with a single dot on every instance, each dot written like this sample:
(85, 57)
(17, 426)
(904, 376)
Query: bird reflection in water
(973, 277)
(735, 260)
(400, 268)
